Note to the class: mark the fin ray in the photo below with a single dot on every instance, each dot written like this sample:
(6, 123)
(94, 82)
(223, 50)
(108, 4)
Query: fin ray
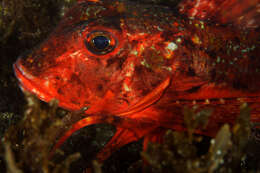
(75, 127)
(241, 13)
(147, 100)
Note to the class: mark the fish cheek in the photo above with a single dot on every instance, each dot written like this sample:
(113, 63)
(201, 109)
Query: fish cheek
(73, 91)
(94, 80)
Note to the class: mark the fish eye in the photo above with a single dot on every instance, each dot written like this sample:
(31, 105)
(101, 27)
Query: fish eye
(100, 42)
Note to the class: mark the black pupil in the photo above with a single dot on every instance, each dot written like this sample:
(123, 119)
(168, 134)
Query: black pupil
(100, 42)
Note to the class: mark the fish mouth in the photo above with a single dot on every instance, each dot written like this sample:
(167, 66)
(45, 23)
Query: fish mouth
(26, 82)
(38, 86)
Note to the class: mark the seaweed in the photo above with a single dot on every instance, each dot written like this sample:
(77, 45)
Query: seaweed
(27, 145)
(225, 152)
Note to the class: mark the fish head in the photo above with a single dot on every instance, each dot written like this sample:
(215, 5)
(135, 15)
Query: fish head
(100, 52)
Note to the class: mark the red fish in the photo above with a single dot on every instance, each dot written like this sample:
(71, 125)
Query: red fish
(136, 65)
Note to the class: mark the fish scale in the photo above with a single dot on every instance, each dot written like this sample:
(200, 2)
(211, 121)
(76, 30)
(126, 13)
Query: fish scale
(154, 63)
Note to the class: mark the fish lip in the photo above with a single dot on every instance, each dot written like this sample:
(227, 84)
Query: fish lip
(19, 70)
(26, 82)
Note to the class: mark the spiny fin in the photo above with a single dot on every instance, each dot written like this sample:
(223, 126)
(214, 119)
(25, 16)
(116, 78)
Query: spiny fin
(241, 13)
(121, 138)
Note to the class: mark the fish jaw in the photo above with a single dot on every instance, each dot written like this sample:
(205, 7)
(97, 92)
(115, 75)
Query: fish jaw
(73, 88)
(38, 86)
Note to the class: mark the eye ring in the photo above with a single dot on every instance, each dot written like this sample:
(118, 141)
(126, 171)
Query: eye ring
(100, 42)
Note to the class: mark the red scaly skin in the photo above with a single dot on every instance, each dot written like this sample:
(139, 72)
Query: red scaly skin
(154, 64)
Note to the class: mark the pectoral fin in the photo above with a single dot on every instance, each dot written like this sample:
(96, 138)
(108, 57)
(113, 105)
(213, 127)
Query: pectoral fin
(146, 101)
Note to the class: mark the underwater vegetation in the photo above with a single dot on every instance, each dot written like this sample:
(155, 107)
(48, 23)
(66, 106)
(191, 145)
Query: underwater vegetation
(29, 127)
(26, 145)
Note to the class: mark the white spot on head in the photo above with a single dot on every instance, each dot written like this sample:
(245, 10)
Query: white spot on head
(197, 5)
(172, 46)
(159, 29)
(77, 53)
(130, 70)
(178, 40)
(46, 83)
(134, 52)
(127, 89)
(167, 68)
(144, 63)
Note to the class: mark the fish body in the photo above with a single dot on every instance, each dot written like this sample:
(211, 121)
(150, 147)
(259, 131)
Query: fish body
(136, 66)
